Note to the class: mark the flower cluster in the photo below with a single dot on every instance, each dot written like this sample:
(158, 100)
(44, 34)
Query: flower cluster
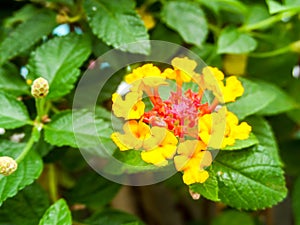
(182, 126)
(7, 165)
(40, 88)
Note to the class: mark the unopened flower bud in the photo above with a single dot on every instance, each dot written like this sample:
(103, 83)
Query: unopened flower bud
(40, 88)
(7, 165)
(295, 46)
(194, 195)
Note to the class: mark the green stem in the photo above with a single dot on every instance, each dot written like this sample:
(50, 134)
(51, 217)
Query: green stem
(53, 183)
(74, 18)
(214, 104)
(271, 53)
(215, 29)
(267, 22)
(54, 109)
(33, 138)
(40, 103)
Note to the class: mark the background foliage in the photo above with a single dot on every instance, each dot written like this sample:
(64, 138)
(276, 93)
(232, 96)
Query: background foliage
(58, 39)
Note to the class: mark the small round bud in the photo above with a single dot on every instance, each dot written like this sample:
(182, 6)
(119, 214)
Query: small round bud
(7, 165)
(295, 46)
(194, 195)
(40, 88)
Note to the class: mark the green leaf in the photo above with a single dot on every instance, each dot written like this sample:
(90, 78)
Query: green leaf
(244, 175)
(58, 61)
(296, 202)
(233, 41)
(118, 25)
(21, 15)
(93, 190)
(282, 102)
(19, 40)
(28, 170)
(209, 55)
(163, 33)
(227, 218)
(66, 2)
(60, 131)
(103, 113)
(209, 189)
(113, 217)
(255, 98)
(58, 214)
(187, 19)
(26, 208)
(212, 5)
(13, 113)
(11, 82)
(256, 13)
(132, 163)
(234, 6)
(241, 144)
(275, 7)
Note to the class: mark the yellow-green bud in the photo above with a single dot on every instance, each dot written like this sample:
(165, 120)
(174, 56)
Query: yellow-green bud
(40, 88)
(295, 46)
(7, 165)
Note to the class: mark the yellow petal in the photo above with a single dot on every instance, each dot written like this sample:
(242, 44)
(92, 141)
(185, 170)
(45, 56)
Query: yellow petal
(154, 157)
(136, 111)
(217, 74)
(187, 148)
(190, 147)
(169, 73)
(130, 108)
(117, 140)
(168, 151)
(228, 141)
(114, 97)
(133, 137)
(231, 118)
(212, 133)
(138, 130)
(191, 154)
(195, 176)
(148, 75)
(186, 66)
(205, 158)
(242, 131)
(160, 136)
(154, 81)
(180, 162)
(233, 89)
(213, 80)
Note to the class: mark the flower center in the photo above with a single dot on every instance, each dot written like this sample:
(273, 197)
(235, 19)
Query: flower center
(179, 113)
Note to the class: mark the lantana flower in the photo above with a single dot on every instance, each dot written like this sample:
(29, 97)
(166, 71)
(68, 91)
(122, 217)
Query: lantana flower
(227, 92)
(145, 76)
(157, 143)
(208, 127)
(183, 127)
(7, 165)
(134, 135)
(131, 107)
(183, 70)
(159, 147)
(191, 159)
